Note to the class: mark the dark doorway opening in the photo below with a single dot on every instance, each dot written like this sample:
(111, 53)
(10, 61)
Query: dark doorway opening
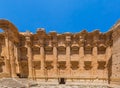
(62, 81)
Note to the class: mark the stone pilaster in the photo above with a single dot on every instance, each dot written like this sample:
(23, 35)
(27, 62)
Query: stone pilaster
(42, 60)
(7, 58)
(29, 55)
(68, 64)
(12, 60)
(16, 51)
(55, 59)
(81, 60)
(94, 61)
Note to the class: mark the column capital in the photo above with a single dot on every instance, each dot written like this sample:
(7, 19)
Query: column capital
(68, 44)
(28, 40)
(28, 44)
(55, 44)
(95, 43)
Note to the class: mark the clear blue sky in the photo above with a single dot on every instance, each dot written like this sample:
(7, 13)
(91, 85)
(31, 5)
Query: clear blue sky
(61, 15)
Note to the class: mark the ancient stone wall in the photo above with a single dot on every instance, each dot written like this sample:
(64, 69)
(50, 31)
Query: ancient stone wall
(73, 57)
(84, 56)
(115, 79)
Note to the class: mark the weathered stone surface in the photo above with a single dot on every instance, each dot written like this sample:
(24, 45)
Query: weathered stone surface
(60, 58)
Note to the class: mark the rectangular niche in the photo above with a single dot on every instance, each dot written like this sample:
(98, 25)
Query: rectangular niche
(62, 65)
(49, 65)
(88, 50)
(37, 65)
(36, 50)
(74, 65)
(101, 65)
(87, 65)
(74, 50)
(101, 50)
(61, 50)
(48, 50)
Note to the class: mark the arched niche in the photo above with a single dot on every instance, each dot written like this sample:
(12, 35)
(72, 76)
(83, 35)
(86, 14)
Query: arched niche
(61, 50)
(74, 65)
(49, 65)
(36, 50)
(48, 50)
(88, 49)
(101, 49)
(101, 65)
(74, 50)
(62, 65)
(87, 65)
(23, 53)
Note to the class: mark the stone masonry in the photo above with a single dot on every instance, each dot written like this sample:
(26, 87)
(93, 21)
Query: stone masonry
(60, 58)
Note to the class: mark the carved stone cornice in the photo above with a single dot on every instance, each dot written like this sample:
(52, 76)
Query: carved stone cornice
(67, 43)
(95, 43)
(88, 46)
(41, 32)
(28, 36)
(74, 44)
(55, 44)
(41, 42)
(28, 44)
(81, 44)
(28, 41)
(109, 42)
(81, 41)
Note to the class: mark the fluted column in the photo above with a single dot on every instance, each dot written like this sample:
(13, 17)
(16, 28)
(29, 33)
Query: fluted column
(94, 61)
(7, 59)
(29, 55)
(17, 58)
(12, 60)
(42, 60)
(81, 60)
(55, 59)
(68, 64)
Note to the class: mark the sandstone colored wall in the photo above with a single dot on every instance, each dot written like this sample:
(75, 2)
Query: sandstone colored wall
(115, 79)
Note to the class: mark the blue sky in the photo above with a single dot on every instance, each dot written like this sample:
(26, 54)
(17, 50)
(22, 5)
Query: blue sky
(61, 15)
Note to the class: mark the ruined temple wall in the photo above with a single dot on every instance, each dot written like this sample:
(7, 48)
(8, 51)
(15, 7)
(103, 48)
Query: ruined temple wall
(44, 69)
(115, 79)
(74, 72)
